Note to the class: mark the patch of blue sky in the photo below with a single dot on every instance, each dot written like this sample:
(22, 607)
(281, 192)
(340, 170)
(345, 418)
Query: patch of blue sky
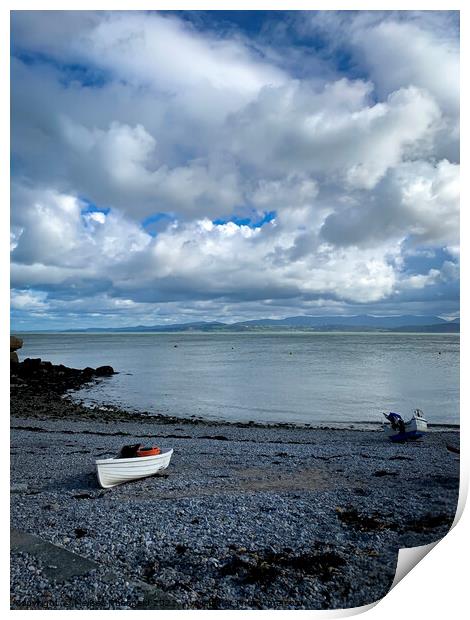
(86, 76)
(155, 223)
(70, 73)
(91, 207)
(426, 259)
(255, 221)
(249, 22)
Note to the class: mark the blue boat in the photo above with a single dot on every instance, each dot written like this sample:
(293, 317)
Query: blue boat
(396, 429)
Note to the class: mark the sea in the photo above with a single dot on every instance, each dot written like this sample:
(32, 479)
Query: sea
(336, 379)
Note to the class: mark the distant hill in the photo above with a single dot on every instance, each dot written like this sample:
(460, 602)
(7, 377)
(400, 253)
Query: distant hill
(364, 322)
(361, 320)
(175, 327)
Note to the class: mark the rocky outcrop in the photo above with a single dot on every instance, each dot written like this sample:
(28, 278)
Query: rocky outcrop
(45, 376)
(15, 344)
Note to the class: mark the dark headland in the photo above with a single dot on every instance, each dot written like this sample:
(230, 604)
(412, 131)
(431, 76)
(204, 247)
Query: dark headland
(245, 517)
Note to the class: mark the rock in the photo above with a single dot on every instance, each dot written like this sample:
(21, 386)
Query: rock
(88, 373)
(32, 362)
(54, 507)
(104, 371)
(382, 472)
(19, 487)
(15, 343)
(180, 549)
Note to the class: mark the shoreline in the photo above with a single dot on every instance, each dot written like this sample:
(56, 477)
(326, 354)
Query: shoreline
(245, 517)
(79, 410)
(92, 408)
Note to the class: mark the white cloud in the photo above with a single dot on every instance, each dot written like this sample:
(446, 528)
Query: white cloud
(28, 300)
(97, 216)
(402, 49)
(412, 55)
(418, 199)
(154, 49)
(294, 129)
(198, 259)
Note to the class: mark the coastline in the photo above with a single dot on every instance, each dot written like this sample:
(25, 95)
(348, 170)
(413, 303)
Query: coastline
(245, 517)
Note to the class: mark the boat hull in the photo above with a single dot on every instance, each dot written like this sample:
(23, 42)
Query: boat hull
(112, 472)
(414, 429)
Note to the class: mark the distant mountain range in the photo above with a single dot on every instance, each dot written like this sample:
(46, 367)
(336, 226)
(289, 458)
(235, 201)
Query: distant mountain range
(364, 322)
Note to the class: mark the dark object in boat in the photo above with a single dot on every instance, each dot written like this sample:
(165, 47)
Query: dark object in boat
(452, 448)
(396, 421)
(137, 449)
(129, 452)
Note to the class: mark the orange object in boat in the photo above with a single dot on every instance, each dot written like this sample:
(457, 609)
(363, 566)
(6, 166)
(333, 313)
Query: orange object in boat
(154, 450)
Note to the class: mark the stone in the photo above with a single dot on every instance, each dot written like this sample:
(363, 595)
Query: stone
(30, 362)
(15, 343)
(87, 374)
(19, 487)
(53, 507)
(14, 358)
(104, 371)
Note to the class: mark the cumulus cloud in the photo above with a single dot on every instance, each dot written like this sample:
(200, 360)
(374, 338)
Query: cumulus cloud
(198, 260)
(417, 199)
(28, 300)
(412, 55)
(332, 134)
(399, 49)
(276, 184)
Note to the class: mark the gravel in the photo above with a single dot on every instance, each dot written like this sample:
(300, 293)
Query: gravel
(243, 518)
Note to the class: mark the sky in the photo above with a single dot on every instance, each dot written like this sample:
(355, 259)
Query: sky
(178, 166)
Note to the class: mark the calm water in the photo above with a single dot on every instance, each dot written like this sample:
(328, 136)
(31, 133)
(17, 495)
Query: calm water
(302, 377)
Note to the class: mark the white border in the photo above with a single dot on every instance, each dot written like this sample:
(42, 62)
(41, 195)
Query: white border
(437, 586)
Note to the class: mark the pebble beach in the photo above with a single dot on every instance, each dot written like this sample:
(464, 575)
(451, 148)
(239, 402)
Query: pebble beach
(245, 517)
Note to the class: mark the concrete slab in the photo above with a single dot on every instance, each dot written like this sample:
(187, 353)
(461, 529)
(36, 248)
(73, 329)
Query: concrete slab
(59, 564)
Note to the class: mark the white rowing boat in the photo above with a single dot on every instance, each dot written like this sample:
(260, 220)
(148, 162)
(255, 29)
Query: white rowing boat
(114, 471)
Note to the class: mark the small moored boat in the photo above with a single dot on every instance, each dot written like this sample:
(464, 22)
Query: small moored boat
(397, 429)
(146, 462)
